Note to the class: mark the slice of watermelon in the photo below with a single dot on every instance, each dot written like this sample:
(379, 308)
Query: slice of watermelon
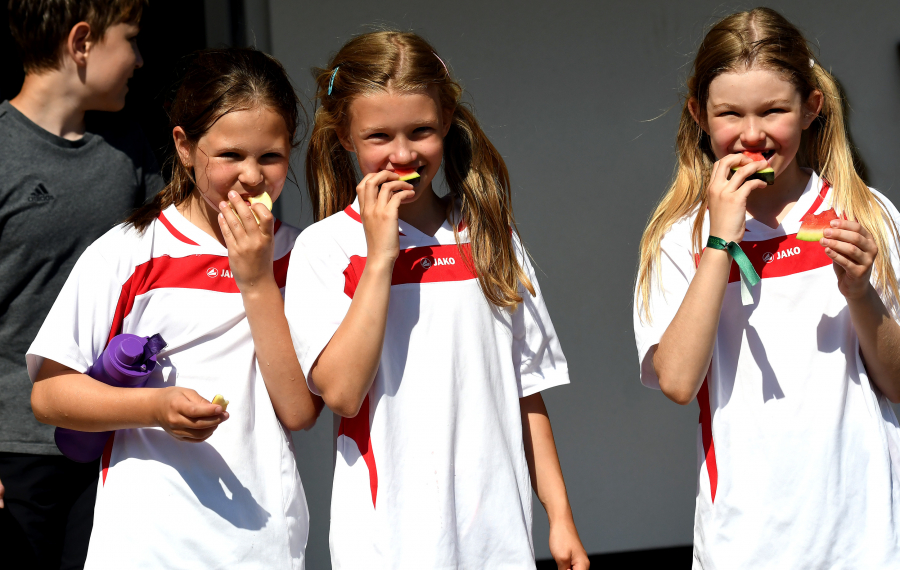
(813, 227)
(767, 174)
(406, 174)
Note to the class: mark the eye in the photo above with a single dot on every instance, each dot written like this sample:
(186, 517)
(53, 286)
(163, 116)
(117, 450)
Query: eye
(230, 155)
(377, 136)
(775, 110)
(727, 114)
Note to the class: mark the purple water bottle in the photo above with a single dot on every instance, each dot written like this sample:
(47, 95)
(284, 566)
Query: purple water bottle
(127, 362)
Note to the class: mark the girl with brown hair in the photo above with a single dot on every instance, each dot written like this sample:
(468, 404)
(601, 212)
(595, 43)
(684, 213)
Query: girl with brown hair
(180, 485)
(789, 345)
(419, 321)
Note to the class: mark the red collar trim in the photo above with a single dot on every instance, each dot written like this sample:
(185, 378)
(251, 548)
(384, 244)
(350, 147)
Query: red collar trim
(355, 215)
(177, 234)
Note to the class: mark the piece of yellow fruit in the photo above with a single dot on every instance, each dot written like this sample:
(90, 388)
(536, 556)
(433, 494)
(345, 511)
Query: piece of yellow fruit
(263, 199)
(220, 401)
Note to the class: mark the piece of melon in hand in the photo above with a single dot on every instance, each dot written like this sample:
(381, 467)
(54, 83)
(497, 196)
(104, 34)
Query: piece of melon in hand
(767, 174)
(814, 226)
(220, 401)
(263, 199)
(407, 174)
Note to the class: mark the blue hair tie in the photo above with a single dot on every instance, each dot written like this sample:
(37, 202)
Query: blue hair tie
(331, 81)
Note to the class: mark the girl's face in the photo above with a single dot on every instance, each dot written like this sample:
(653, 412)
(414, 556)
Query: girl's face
(247, 151)
(756, 110)
(390, 130)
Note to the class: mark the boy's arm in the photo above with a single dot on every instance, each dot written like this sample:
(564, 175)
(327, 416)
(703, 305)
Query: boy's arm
(547, 481)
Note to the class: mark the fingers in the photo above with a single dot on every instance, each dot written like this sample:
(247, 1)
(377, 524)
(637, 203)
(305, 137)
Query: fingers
(194, 406)
(193, 435)
(2, 491)
(369, 186)
(848, 242)
(266, 219)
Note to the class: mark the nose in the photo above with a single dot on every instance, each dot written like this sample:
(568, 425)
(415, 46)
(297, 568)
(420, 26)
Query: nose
(138, 58)
(752, 133)
(251, 174)
(402, 151)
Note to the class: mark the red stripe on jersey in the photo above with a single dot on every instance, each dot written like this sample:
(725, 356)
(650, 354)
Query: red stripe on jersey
(781, 256)
(426, 264)
(177, 234)
(709, 446)
(206, 272)
(358, 429)
(107, 454)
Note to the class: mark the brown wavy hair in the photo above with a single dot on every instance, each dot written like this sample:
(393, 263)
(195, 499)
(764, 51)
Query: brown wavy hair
(217, 82)
(475, 172)
(41, 27)
(764, 39)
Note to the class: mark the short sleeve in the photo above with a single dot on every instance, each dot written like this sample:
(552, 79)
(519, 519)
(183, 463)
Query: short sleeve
(667, 290)
(316, 297)
(77, 327)
(538, 357)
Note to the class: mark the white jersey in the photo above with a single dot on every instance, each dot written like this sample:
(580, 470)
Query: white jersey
(431, 473)
(233, 501)
(798, 452)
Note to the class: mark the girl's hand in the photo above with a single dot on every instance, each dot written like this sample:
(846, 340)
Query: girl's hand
(728, 198)
(185, 415)
(853, 251)
(380, 195)
(251, 248)
(566, 548)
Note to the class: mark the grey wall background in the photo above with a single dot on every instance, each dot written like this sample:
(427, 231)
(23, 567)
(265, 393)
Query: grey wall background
(567, 91)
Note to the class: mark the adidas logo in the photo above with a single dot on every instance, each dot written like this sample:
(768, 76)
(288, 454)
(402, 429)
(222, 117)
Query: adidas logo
(41, 194)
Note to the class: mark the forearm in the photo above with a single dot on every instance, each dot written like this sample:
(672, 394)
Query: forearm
(294, 405)
(62, 397)
(543, 461)
(685, 350)
(879, 342)
(345, 370)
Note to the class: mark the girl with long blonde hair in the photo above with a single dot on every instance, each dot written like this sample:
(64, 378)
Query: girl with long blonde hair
(790, 346)
(419, 321)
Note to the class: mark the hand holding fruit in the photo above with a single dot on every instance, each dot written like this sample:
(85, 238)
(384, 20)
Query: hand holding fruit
(251, 246)
(380, 195)
(853, 251)
(185, 415)
(728, 198)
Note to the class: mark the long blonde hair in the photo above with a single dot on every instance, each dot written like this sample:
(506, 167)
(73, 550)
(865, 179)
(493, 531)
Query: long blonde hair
(475, 172)
(764, 38)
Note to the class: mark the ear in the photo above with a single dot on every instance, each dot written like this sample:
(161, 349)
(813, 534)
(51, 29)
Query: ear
(343, 135)
(812, 107)
(447, 120)
(698, 114)
(182, 147)
(78, 43)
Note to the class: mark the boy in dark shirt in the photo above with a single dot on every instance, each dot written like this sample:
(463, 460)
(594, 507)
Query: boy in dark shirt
(64, 182)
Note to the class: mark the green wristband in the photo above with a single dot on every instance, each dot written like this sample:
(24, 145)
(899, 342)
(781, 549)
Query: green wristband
(734, 248)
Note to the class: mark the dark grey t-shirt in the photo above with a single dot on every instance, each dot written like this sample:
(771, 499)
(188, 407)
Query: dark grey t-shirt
(56, 197)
